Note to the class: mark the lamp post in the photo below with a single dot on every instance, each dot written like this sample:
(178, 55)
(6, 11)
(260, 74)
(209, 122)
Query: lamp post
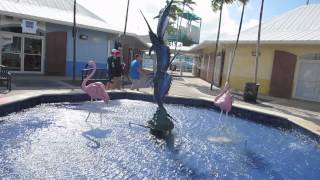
(74, 32)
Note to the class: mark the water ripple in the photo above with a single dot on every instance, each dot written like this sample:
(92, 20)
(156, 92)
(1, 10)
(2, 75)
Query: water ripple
(93, 140)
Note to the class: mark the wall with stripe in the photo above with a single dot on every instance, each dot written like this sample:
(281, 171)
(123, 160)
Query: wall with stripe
(95, 47)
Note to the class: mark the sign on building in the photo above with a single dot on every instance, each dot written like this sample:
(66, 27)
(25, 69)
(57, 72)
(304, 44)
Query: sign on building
(29, 26)
(5, 39)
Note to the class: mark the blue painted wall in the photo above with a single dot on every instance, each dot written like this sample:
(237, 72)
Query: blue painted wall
(95, 47)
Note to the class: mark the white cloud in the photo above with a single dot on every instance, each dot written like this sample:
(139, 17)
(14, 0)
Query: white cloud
(209, 29)
(251, 23)
(114, 13)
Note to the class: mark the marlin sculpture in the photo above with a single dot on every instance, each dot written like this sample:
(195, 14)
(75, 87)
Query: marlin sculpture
(161, 123)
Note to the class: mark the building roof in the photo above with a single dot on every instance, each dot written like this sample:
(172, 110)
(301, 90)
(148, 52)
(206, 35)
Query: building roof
(54, 11)
(189, 16)
(297, 26)
(58, 12)
(66, 5)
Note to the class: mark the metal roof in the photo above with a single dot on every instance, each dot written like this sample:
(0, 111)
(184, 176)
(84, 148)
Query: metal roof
(66, 5)
(54, 11)
(58, 12)
(300, 24)
(297, 26)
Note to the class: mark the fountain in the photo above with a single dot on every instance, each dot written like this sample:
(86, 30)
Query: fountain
(161, 124)
(56, 138)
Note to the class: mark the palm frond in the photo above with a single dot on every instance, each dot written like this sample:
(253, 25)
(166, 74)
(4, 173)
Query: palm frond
(243, 1)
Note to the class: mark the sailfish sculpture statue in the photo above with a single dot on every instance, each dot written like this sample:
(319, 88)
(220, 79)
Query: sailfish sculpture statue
(161, 124)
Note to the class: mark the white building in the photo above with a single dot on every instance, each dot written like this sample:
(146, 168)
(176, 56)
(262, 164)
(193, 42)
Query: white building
(36, 37)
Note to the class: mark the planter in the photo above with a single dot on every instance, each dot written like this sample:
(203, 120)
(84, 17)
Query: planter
(251, 92)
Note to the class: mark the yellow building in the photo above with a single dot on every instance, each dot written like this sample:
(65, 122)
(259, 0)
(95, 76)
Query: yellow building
(289, 65)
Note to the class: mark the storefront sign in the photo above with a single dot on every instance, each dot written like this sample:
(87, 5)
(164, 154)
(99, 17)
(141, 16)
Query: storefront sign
(29, 26)
(5, 39)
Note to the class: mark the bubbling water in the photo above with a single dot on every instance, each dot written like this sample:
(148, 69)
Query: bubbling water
(63, 141)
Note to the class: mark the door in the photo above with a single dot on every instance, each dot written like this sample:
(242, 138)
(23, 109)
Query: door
(284, 65)
(22, 53)
(308, 81)
(11, 53)
(210, 68)
(218, 69)
(32, 56)
(56, 53)
(203, 72)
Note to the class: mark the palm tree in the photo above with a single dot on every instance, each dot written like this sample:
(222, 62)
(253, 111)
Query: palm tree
(125, 22)
(74, 40)
(184, 3)
(174, 11)
(217, 5)
(243, 2)
(189, 4)
(252, 89)
(258, 44)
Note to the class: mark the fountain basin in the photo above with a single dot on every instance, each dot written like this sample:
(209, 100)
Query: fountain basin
(60, 140)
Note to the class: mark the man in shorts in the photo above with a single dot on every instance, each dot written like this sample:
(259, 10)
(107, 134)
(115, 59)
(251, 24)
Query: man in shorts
(136, 72)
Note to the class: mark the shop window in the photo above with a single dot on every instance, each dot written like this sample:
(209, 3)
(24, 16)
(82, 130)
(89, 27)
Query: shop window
(12, 29)
(18, 29)
(311, 56)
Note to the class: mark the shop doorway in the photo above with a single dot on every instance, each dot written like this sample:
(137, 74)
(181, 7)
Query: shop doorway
(56, 53)
(22, 53)
(307, 78)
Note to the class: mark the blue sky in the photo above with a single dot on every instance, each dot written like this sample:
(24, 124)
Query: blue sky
(273, 7)
(114, 14)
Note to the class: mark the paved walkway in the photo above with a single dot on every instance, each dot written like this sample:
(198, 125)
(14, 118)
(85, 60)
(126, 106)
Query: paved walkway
(306, 114)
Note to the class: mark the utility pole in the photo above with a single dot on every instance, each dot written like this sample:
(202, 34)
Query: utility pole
(74, 40)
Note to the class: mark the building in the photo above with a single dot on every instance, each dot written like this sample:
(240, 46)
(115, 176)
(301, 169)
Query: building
(289, 66)
(36, 37)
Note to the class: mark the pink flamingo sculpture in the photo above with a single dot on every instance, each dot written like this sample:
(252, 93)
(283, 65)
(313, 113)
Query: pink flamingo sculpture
(224, 100)
(95, 90)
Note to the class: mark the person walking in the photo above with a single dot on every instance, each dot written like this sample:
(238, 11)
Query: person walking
(136, 72)
(114, 70)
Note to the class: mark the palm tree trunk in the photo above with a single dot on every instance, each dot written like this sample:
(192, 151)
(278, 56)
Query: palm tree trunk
(179, 32)
(125, 22)
(74, 40)
(178, 29)
(258, 44)
(237, 42)
(307, 2)
(217, 44)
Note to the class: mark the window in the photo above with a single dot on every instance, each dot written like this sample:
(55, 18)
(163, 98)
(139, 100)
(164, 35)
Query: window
(12, 29)
(311, 56)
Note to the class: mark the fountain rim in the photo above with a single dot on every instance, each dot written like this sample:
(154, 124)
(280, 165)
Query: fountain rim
(269, 119)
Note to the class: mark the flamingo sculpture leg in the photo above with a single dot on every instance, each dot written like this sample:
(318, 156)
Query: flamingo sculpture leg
(224, 99)
(95, 90)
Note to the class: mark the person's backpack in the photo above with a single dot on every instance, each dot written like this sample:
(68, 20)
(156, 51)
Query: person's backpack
(115, 67)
